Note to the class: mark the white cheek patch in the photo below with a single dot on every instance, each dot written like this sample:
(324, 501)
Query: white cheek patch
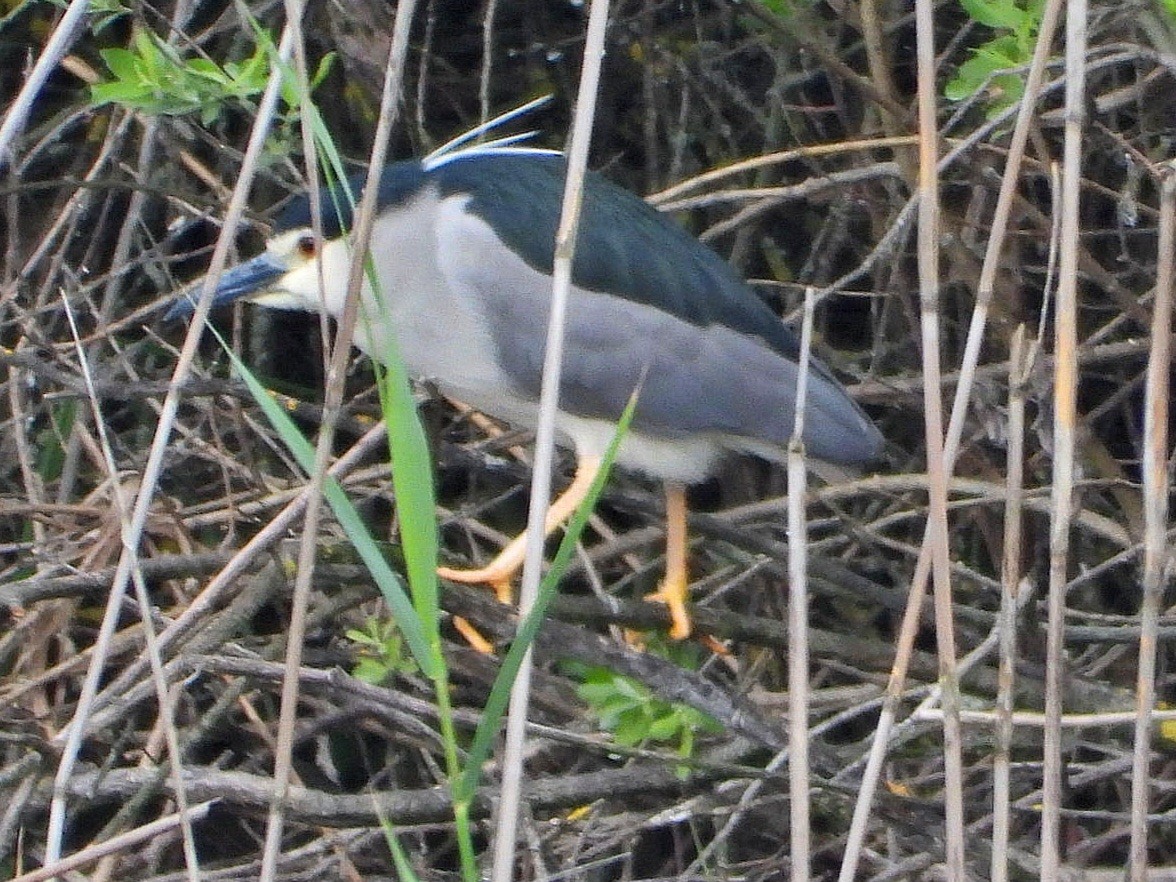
(313, 290)
(305, 288)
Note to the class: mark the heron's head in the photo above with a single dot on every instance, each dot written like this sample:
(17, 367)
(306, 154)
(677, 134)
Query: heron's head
(298, 270)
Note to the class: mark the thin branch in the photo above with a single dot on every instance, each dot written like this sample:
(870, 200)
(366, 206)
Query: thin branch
(63, 37)
(798, 655)
(165, 699)
(565, 247)
(131, 840)
(1010, 587)
(1156, 555)
(1065, 427)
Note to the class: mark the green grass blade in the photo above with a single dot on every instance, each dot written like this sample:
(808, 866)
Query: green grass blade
(404, 868)
(412, 482)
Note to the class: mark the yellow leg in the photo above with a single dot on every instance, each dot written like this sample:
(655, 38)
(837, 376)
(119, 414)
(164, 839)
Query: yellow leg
(473, 636)
(500, 571)
(673, 591)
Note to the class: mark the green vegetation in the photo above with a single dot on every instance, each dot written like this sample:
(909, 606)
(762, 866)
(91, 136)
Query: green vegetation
(152, 77)
(1015, 24)
(637, 718)
(382, 653)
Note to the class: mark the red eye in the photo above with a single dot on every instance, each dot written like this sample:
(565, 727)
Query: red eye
(306, 246)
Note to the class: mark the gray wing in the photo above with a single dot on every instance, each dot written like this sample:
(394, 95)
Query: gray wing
(694, 379)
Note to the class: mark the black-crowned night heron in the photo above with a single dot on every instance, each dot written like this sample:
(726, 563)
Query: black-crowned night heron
(463, 250)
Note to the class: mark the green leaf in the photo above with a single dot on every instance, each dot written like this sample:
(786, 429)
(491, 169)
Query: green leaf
(665, 727)
(631, 730)
(1002, 53)
(370, 670)
(779, 8)
(207, 69)
(630, 688)
(122, 63)
(169, 84)
(977, 70)
(362, 637)
(404, 868)
(1006, 89)
(324, 67)
(595, 694)
(1011, 47)
(616, 703)
(972, 74)
(630, 711)
(995, 13)
(129, 94)
(149, 57)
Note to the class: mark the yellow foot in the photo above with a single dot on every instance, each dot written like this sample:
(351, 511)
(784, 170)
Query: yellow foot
(473, 636)
(498, 578)
(674, 597)
(500, 572)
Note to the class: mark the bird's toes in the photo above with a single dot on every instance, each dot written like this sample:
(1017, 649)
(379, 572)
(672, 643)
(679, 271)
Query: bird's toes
(674, 597)
(498, 578)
